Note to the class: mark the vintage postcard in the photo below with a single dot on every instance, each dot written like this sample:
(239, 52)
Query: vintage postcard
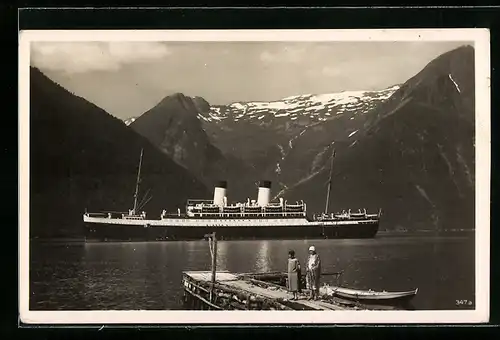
(254, 176)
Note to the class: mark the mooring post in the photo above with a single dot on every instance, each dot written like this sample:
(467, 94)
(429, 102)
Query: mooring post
(212, 239)
(214, 258)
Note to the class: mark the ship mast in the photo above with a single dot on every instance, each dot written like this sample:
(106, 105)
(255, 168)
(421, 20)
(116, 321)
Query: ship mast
(329, 184)
(137, 183)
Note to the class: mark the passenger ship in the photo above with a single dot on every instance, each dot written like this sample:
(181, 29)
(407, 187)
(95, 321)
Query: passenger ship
(258, 218)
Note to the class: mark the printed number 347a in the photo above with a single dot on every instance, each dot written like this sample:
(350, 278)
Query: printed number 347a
(463, 302)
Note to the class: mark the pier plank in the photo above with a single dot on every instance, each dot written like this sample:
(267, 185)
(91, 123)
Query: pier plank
(244, 285)
(327, 305)
(206, 276)
(281, 294)
(238, 283)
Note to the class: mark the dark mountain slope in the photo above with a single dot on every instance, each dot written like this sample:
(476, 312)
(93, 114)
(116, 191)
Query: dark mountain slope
(82, 157)
(174, 127)
(414, 158)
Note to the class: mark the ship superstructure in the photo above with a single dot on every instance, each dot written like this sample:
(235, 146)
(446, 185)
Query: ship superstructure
(262, 207)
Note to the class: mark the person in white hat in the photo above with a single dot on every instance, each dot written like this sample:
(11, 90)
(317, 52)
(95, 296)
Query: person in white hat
(313, 272)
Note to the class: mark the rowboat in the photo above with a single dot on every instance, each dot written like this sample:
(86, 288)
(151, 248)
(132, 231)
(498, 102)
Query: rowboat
(368, 296)
(330, 291)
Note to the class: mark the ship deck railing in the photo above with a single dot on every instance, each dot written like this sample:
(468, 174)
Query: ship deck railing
(344, 216)
(251, 209)
(198, 201)
(88, 214)
(167, 215)
(236, 215)
(116, 215)
(134, 217)
(211, 204)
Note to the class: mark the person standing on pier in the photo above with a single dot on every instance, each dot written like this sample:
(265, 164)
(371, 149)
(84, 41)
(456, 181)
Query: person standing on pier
(293, 274)
(313, 272)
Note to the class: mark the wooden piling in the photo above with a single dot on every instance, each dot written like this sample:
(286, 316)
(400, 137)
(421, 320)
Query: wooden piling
(212, 243)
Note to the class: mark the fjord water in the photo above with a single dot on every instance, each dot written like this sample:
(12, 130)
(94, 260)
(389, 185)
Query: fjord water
(147, 276)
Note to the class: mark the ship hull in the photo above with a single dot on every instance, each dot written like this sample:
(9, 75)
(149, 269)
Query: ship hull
(140, 231)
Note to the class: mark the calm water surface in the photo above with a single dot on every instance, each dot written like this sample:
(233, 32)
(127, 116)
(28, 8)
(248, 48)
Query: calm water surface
(133, 276)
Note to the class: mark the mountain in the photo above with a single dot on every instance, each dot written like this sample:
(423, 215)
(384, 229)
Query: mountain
(407, 149)
(414, 155)
(173, 126)
(82, 157)
(270, 137)
(285, 140)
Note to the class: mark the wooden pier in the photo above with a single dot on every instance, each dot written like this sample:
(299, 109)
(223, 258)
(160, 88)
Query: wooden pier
(253, 291)
(240, 292)
(222, 290)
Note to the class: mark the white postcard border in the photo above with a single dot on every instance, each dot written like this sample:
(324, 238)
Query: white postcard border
(481, 39)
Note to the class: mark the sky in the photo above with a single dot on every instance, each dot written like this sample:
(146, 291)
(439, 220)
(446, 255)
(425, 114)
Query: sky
(128, 78)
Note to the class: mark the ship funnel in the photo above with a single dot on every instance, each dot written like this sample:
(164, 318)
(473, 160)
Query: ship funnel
(220, 193)
(264, 194)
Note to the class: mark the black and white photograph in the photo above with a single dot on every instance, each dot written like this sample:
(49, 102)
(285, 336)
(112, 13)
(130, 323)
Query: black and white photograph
(254, 176)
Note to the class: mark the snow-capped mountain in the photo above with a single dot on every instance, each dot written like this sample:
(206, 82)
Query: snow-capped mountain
(287, 139)
(414, 157)
(315, 108)
(395, 148)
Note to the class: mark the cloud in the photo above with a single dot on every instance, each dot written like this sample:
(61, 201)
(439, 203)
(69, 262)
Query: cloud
(267, 56)
(331, 71)
(80, 57)
(287, 54)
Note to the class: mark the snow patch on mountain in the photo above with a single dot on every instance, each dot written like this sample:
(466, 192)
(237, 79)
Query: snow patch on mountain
(282, 151)
(315, 106)
(129, 121)
(278, 168)
(454, 82)
(353, 133)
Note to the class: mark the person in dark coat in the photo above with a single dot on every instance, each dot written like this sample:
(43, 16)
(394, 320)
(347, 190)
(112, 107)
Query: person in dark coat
(293, 274)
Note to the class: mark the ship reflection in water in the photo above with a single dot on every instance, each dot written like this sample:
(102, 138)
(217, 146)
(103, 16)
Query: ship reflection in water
(142, 275)
(222, 254)
(263, 258)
